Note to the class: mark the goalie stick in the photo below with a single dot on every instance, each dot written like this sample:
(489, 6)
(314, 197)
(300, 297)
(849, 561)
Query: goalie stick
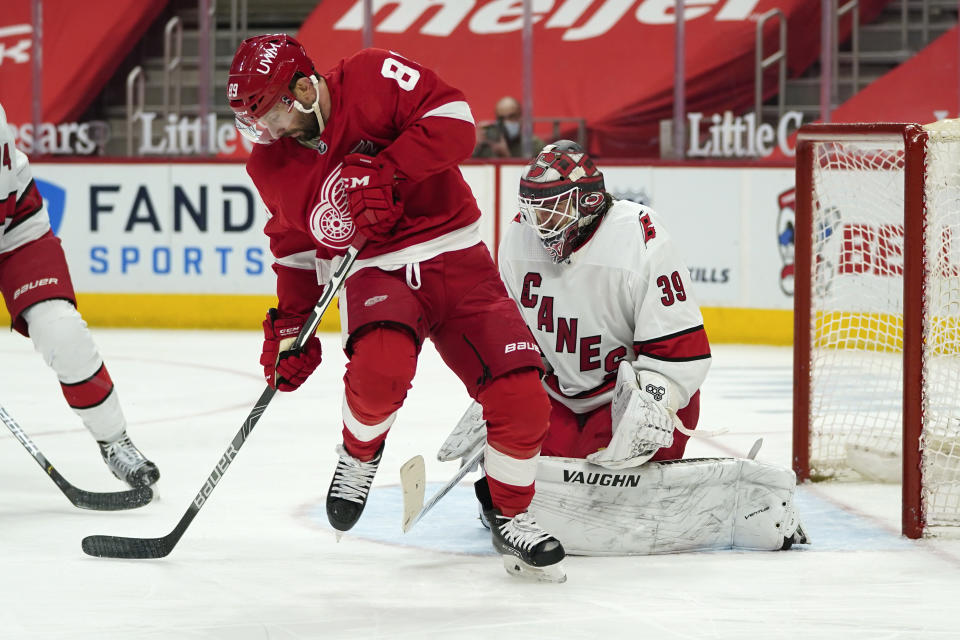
(115, 501)
(466, 442)
(413, 481)
(141, 548)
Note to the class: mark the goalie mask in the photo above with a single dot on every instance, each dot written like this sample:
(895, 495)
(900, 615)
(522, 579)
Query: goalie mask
(562, 197)
(259, 87)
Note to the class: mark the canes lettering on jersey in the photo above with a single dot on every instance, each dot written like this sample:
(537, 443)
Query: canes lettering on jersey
(567, 340)
(622, 296)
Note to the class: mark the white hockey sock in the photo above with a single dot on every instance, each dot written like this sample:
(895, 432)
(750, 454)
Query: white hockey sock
(60, 335)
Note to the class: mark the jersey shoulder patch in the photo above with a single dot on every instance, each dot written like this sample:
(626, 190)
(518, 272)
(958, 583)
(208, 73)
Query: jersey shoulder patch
(635, 221)
(646, 224)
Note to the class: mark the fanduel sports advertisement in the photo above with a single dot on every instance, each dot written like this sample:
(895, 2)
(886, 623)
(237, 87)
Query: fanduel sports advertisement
(159, 228)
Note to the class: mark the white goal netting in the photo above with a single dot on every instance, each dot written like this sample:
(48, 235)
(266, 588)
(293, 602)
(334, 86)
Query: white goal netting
(857, 304)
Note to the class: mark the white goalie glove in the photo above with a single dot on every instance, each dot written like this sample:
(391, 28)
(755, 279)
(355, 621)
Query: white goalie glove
(644, 417)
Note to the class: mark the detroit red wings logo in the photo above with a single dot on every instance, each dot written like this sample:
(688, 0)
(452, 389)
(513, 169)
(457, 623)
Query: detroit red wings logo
(330, 220)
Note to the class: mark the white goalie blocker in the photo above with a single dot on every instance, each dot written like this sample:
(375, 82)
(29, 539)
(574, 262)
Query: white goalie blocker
(667, 507)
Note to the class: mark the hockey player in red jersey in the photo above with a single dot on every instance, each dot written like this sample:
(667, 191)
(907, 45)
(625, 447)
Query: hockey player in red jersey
(370, 149)
(38, 293)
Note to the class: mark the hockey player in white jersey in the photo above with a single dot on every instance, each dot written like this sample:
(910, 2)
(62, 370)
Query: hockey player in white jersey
(599, 283)
(38, 292)
(607, 299)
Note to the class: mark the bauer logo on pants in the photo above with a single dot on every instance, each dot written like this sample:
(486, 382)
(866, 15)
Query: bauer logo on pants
(520, 346)
(33, 285)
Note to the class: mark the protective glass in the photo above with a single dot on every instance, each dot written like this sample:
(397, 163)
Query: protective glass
(553, 215)
(269, 127)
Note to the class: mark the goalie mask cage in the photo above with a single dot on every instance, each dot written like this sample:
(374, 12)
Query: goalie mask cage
(877, 312)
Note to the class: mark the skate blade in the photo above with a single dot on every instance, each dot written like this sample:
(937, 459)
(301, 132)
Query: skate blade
(520, 569)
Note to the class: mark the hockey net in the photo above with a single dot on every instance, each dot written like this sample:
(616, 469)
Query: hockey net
(877, 312)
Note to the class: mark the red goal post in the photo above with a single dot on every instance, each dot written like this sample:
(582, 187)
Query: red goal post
(877, 312)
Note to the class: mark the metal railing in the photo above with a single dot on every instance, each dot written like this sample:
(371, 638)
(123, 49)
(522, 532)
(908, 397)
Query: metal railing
(206, 72)
(778, 57)
(135, 84)
(852, 7)
(581, 128)
(172, 59)
(238, 21)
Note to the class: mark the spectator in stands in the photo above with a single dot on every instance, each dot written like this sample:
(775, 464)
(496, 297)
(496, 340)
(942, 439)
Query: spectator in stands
(502, 139)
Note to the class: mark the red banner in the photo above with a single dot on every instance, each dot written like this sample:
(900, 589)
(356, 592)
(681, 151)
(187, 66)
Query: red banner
(83, 45)
(609, 62)
(923, 89)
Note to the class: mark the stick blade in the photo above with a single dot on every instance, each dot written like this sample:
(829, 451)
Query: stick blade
(121, 547)
(413, 480)
(118, 501)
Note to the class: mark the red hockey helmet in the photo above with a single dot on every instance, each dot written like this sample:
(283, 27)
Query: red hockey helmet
(561, 195)
(261, 74)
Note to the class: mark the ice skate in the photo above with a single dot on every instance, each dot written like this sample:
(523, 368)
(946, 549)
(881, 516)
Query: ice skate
(482, 490)
(793, 532)
(347, 495)
(127, 463)
(799, 536)
(528, 551)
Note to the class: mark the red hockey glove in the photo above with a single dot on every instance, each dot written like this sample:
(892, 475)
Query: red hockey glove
(284, 368)
(374, 206)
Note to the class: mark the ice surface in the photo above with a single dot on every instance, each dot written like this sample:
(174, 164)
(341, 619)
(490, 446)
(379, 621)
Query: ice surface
(260, 561)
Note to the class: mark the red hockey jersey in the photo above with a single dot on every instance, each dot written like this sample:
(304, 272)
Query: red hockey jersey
(385, 105)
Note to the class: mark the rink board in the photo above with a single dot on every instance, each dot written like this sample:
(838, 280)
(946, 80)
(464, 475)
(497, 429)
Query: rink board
(178, 245)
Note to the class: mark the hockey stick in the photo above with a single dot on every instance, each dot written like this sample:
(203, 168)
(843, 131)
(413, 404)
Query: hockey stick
(140, 548)
(413, 481)
(467, 437)
(84, 499)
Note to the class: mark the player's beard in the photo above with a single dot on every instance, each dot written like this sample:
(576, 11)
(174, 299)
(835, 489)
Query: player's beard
(308, 129)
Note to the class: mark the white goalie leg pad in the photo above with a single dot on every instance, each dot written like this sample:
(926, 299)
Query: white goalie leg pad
(642, 419)
(59, 333)
(665, 507)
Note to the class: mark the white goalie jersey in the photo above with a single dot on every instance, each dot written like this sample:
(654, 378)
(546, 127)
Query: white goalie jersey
(624, 294)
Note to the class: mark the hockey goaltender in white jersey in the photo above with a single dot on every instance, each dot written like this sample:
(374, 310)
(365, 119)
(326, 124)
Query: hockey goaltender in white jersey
(608, 302)
(605, 296)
